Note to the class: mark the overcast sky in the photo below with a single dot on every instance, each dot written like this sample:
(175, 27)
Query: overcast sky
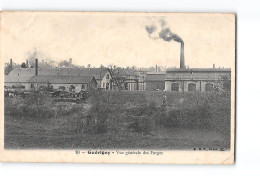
(118, 38)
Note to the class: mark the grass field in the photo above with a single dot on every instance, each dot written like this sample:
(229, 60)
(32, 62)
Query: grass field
(122, 120)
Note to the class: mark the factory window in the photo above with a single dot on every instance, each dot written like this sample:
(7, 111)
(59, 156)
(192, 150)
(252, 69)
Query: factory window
(191, 87)
(209, 87)
(175, 87)
(107, 76)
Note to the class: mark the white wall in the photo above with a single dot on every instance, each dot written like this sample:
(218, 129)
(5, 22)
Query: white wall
(104, 80)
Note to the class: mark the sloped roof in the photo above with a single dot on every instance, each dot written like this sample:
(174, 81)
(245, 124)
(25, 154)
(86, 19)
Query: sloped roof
(155, 76)
(16, 79)
(22, 72)
(98, 73)
(62, 79)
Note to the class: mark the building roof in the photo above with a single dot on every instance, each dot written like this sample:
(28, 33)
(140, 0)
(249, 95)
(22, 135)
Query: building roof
(196, 74)
(62, 79)
(199, 70)
(155, 76)
(16, 79)
(98, 73)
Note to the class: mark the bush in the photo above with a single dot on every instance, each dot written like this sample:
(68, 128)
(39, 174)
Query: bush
(13, 107)
(142, 124)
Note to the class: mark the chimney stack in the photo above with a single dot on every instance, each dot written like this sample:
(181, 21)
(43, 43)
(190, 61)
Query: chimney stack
(27, 63)
(11, 63)
(182, 61)
(213, 65)
(156, 69)
(36, 67)
(70, 61)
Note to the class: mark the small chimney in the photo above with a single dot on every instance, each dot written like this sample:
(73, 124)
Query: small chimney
(213, 65)
(11, 63)
(36, 67)
(156, 68)
(182, 61)
(70, 61)
(27, 63)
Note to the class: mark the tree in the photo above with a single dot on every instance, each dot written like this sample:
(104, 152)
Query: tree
(224, 83)
(23, 65)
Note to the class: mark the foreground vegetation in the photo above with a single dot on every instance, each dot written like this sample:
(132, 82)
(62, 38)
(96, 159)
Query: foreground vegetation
(125, 119)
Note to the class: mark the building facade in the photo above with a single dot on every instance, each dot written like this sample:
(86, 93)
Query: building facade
(125, 79)
(155, 81)
(63, 83)
(195, 79)
(21, 76)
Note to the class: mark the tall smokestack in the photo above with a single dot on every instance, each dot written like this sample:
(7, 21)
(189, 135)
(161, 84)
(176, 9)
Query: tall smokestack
(36, 67)
(182, 61)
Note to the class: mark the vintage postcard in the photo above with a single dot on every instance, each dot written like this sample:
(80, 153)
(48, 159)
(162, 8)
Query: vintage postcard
(110, 87)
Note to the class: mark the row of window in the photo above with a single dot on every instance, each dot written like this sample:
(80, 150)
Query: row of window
(192, 87)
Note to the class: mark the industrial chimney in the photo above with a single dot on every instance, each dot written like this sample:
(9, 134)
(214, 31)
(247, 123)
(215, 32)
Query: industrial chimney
(182, 61)
(36, 67)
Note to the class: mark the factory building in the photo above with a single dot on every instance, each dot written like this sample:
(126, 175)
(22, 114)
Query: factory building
(155, 81)
(63, 83)
(126, 79)
(195, 79)
(21, 77)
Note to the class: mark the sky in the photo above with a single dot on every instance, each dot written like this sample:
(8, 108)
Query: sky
(118, 38)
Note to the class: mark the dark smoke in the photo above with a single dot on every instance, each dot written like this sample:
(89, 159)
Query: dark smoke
(165, 33)
(168, 36)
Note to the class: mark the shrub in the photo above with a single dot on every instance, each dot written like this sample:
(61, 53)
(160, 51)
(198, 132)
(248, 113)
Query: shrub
(171, 119)
(142, 124)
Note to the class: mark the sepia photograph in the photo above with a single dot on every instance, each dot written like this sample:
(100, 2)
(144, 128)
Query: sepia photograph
(118, 87)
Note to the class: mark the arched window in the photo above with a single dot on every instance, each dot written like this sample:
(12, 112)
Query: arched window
(192, 87)
(107, 76)
(209, 87)
(175, 87)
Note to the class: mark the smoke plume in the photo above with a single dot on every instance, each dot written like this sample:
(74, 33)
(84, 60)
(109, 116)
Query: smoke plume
(165, 33)
(168, 36)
